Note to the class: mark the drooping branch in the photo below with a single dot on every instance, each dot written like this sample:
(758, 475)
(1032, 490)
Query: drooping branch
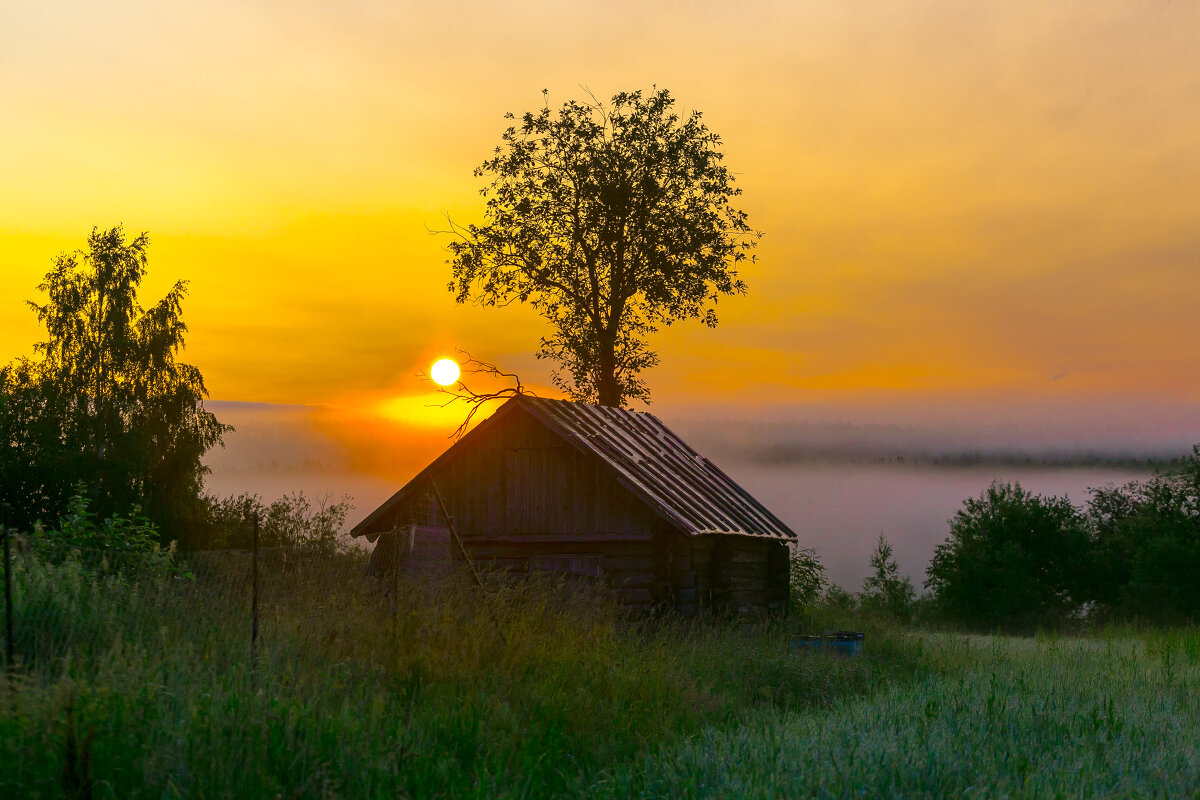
(476, 400)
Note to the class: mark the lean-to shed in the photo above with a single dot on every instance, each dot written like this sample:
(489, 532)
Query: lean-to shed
(592, 491)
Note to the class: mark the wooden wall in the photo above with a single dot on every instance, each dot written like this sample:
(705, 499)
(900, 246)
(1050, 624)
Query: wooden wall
(523, 491)
(739, 576)
(523, 480)
(419, 551)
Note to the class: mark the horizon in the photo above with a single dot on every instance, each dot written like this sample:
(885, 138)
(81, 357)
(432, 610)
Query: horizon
(838, 484)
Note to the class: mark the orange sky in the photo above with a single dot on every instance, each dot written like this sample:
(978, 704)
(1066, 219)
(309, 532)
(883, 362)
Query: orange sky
(960, 200)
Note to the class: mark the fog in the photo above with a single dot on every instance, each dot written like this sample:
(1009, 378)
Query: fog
(837, 483)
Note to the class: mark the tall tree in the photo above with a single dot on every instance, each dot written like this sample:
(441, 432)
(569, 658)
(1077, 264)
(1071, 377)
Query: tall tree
(107, 403)
(610, 220)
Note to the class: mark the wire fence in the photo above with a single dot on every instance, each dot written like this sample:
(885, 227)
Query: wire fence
(62, 600)
(265, 613)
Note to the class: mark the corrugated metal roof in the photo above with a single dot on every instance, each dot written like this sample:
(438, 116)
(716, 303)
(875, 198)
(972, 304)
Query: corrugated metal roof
(658, 466)
(682, 486)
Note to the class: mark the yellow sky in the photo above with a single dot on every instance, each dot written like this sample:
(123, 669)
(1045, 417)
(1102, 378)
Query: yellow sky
(959, 199)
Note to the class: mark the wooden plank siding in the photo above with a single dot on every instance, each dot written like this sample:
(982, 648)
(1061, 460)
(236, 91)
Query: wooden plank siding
(522, 491)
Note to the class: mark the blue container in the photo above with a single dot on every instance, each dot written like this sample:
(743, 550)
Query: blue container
(843, 643)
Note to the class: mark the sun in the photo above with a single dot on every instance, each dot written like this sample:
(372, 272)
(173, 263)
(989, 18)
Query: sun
(444, 372)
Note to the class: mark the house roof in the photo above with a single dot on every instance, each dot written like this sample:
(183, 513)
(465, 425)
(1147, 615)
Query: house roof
(645, 456)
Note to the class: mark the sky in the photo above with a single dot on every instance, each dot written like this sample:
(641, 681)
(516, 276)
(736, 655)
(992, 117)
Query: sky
(985, 210)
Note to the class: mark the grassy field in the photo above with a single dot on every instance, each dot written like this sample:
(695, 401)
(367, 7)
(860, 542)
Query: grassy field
(143, 687)
(1113, 716)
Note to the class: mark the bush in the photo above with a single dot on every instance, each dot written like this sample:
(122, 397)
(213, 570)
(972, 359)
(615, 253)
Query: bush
(1013, 560)
(291, 521)
(839, 601)
(806, 579)
(1146, 546)
(113, 544)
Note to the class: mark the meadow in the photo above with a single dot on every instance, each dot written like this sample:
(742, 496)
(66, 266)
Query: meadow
(1114, 716)
(140, 683)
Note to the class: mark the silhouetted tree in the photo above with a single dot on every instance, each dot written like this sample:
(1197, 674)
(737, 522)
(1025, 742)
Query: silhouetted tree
(885, 589)
(106, 403)
(610, 220)
(1013, 559)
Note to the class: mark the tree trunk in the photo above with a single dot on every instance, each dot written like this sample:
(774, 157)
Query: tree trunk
(608, 390)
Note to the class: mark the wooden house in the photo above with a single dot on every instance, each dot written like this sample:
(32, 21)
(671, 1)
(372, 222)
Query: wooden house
(591, 491)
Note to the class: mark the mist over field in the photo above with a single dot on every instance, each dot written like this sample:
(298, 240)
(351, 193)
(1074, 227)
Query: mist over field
(837, 483)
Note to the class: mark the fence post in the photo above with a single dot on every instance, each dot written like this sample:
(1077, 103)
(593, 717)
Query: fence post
(395, 578)
(8, 611)
(254, 603)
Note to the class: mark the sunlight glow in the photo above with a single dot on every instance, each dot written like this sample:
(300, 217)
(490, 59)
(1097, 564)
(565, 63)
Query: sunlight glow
(428, 410)
(444, 372)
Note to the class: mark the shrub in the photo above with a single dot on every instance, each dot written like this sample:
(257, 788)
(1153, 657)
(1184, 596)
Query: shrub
(1013, 560)
(291, 521)
(885, 591)
(1146, 546)
(806, 579)
(838, 600)
(113, 544)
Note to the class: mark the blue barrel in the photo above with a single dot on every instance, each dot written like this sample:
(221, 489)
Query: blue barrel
(844, 643)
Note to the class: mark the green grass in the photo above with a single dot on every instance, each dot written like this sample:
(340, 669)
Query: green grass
(143, 688)
(1112, 716)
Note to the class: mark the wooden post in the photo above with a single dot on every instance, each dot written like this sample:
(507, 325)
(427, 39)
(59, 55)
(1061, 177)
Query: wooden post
(454, 533)
(254, 602)
(458, 541)
(396, 578)
(8, 610)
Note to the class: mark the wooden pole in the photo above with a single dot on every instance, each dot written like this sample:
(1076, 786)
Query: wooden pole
(254, 602)
(8, 605)
(458, 541)
(454, 533)
(396, 578)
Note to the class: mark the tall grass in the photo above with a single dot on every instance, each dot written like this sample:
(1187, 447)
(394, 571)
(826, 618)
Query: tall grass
(1115, 716)
(141, 686)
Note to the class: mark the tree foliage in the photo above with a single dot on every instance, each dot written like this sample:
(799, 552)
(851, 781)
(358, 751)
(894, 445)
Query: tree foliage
(1146, 539)
(1013, 559)
(806, 578)
(611, 221)
(105, 401)
(885, 590)
(294, 520)
(1017, 560)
